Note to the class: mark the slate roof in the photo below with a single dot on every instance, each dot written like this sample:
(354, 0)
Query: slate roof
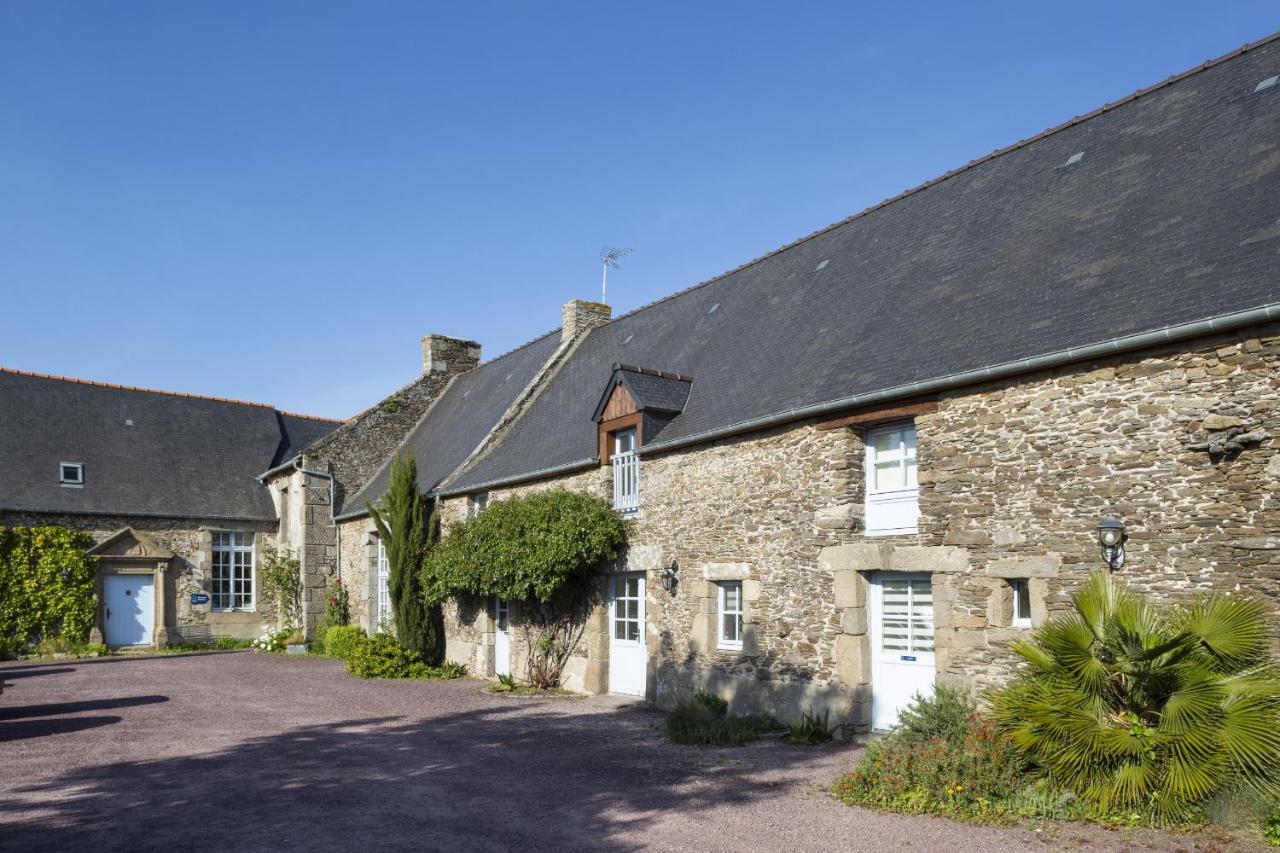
(1170, 215)
(653, 390)
(460, 418)
(145, 452)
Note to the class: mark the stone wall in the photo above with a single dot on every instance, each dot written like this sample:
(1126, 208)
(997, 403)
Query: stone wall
(190, 541)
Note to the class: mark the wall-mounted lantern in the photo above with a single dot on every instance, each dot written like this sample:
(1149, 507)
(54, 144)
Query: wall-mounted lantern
(1111, 539)
(669, 578)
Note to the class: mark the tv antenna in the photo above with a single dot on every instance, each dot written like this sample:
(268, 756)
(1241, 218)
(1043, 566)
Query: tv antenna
(609, 258)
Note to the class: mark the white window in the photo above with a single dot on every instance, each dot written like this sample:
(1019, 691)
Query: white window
(626, 472)
(476, 504)
(1021, 603)
(906, 617)
(384, 587)
(729, 634)
(893, 496)
(232, 571)
(71, 474)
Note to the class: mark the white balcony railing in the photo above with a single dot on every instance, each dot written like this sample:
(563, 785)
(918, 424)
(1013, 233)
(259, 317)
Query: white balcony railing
(626, 482)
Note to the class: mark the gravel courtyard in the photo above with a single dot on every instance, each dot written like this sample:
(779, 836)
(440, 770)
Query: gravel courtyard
(243, 751)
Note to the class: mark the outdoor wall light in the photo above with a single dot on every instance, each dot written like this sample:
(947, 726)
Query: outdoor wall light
(669, 579)
(1111, 539)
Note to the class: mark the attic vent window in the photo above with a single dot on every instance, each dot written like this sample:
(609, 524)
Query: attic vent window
(713, 308)
(71, 474)
(1266, 84)
(821, 266)
(1073, 159)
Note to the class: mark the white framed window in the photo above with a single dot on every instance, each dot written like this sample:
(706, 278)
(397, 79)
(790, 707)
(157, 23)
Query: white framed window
(626, 472)
(729, 621)
(71, 474)
(1021, 603)
(384, 586)
(893, 494)
(476, 504)
(232, 571)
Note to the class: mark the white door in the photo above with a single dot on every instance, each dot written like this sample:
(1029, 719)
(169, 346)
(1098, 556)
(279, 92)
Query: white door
(130, 610)
(501, 637)
(628, 661)
(902, 644)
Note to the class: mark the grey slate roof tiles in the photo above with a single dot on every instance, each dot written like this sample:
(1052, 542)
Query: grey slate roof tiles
(145, 452)
(461, 418)
(1171, 216)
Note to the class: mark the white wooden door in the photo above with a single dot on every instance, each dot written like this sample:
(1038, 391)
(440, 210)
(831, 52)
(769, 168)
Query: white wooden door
(130, 610)
(501, 637)
(628, 659)
(902, 644)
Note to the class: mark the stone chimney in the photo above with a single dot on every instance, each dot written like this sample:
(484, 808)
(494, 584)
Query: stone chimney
(579, 317)
(442, 354)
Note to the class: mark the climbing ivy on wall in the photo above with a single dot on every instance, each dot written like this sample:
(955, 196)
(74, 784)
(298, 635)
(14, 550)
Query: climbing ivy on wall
(46, 586)
(525, 547)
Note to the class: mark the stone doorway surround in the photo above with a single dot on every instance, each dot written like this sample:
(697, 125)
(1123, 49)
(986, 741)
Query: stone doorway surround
(128, 552)
(956, 628)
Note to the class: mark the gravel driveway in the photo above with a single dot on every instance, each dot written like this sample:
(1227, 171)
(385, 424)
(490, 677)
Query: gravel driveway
(243, 751)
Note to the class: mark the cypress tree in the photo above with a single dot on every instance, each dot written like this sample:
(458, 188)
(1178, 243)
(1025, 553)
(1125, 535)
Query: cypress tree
(407, 533)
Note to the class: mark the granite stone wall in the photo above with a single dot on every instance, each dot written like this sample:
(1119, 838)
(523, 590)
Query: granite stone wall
(191, 542)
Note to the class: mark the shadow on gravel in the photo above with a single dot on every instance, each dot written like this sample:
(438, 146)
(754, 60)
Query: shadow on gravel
(10, 731)
(6, 674)
(488, 779)
(53, 709)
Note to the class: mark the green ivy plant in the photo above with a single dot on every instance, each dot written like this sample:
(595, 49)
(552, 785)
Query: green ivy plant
(282, 583)
(46, 586)
(526, 547)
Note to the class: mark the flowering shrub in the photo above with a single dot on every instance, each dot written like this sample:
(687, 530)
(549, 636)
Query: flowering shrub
(972, 776)
(273, 642)
(337, 605)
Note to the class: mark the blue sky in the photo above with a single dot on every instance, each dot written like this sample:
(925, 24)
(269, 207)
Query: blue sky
(273, 201)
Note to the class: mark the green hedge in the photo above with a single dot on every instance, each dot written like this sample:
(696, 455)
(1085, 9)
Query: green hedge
(46, 586)
(381, 656)
(340, 641)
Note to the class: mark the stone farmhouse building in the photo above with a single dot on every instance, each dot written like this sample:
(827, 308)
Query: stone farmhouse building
(860, 465)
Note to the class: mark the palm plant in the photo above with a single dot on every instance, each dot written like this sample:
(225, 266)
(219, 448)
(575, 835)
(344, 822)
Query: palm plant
(1149, 709)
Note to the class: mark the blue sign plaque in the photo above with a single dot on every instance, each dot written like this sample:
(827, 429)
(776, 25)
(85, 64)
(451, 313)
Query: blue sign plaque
(199, 598)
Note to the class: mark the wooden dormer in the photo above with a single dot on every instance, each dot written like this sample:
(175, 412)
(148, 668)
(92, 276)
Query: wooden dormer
(642, 399)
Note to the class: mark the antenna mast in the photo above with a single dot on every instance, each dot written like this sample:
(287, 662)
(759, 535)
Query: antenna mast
(609, 258)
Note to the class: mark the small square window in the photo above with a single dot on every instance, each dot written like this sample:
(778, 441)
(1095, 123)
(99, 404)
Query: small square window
(71, 474)
(1021, 603)
(476, 504)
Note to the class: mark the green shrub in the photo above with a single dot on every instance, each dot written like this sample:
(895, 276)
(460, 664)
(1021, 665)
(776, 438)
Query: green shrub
(318, 634)
(506, 684)
(229, 643)
(704, 721)
(381, 656)
(527, 547)
(337, 604)
(811, 729)
(340, 641)
(46, 586)
(977, 776)
(711, 703)
(1146, 709)
(945, 714)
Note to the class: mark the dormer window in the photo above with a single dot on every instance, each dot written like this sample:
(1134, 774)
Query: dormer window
(635, 406)
(626, 472)
(71, 474)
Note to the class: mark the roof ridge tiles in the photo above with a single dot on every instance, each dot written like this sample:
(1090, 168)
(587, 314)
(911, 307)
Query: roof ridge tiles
(97, 384)
(649, 371)
(1021, 143)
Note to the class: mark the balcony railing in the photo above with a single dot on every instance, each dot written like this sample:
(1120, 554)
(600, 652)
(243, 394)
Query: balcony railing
(626, 482)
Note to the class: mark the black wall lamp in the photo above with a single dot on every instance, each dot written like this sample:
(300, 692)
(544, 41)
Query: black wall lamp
(669, 578)
(1111, 539)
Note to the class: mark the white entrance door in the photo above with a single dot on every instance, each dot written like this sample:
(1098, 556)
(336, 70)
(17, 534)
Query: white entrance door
(628, 660)
(902, 644)
(501, 637)
(130, 609)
